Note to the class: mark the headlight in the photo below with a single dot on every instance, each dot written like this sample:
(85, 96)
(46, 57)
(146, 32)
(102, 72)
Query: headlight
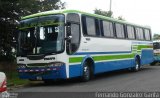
(57, 64)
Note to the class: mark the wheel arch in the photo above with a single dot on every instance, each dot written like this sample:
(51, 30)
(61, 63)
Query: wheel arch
(137, 57)
(91, 62)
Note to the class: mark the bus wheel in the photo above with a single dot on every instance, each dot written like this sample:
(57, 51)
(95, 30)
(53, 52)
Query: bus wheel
(153, 63)
(48, 81)
(86, 72)
(137, 66)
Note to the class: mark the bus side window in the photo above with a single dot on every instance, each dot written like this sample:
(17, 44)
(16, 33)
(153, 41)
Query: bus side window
(89, 26)
(97, 25)
(84, 25)
(119, 30)
(147, 34)
(130, 32)
(139, 33)
(107, 29)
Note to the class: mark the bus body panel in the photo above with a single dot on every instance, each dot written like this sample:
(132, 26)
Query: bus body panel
(75, 70)
(113, 65)
(114, 57)
(147, 56)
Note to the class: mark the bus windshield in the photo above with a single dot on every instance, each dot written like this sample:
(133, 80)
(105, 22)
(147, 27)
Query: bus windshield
(41, 35)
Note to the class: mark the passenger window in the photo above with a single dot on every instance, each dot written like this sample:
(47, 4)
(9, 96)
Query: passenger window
(107, 29)
(119, 30)
(130, 32)
(90, 24)
(139, 34)
(147, 34)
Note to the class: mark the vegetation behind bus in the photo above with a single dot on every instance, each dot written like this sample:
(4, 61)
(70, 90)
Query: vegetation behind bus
(11, 12)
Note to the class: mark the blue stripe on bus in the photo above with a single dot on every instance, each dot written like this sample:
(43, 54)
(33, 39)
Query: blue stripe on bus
(90, 53)
(113, 65)
(76, 70)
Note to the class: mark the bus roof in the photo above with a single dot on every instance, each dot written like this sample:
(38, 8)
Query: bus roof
(81, 12)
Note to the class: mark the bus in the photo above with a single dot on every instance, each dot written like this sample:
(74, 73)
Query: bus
(156, 51)
(63, 44)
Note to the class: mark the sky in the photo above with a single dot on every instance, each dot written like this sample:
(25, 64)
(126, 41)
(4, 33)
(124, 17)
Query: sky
(142, 12)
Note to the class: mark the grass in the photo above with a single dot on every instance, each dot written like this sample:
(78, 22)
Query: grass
(14, 80)
(10, 69)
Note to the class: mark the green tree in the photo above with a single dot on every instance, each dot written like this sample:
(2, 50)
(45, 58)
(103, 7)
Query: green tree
(104, 13)
(121, 18)
(107, 13)
(10, 13)
(156, 37)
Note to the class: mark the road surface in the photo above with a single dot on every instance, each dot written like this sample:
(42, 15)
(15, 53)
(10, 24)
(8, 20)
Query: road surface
(145, 80)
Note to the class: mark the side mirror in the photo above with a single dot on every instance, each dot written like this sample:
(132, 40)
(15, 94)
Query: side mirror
(68, 38)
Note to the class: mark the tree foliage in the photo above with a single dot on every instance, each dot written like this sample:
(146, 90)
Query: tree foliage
(10, 13)
(107, 13)
(121, 18)
(156, 37)
(104, 13)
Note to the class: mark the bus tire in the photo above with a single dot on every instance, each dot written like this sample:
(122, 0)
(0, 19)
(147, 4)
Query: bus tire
(153, 63)
(86, 72)
(137, 65)
(48, 81)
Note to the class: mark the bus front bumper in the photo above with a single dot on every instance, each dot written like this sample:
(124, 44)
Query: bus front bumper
(43, 73)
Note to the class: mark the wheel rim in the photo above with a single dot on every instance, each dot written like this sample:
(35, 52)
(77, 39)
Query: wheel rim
(86, 72)
(137, 66)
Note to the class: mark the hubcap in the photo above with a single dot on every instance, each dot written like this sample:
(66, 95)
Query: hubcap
(86, 72)
(137, 65)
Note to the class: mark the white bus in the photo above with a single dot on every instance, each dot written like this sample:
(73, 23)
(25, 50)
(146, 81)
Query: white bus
(68, 43)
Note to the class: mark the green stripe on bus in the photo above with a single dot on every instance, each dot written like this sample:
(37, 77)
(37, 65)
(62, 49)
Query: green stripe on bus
(75, 59)
(143, 46)
(100, 58)
(134, 48)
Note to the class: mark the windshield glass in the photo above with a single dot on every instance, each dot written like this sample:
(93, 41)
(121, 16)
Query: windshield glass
(156, 45)
(41, 35)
